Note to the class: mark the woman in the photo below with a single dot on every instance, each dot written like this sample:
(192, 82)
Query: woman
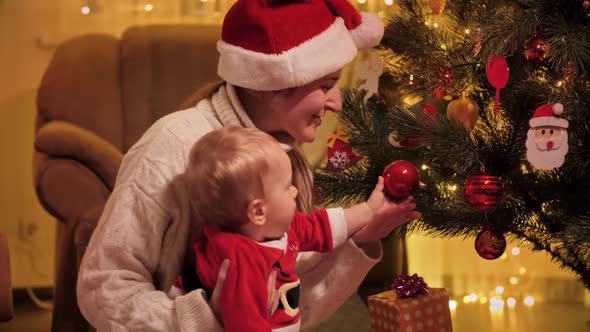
(280, 61)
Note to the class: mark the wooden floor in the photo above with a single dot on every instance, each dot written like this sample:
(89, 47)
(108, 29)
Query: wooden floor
(353, 317)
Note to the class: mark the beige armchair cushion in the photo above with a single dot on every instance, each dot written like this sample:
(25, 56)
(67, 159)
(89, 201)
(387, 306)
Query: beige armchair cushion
(66, 140)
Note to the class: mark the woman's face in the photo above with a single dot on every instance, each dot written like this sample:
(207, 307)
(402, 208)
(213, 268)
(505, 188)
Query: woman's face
(299, 111)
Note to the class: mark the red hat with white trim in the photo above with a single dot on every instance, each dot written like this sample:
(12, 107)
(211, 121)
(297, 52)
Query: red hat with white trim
(269, 45)
(548, 115)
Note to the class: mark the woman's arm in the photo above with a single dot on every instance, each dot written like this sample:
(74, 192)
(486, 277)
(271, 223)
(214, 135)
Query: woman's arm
(328, 280)
(138, 246)
(116, 289)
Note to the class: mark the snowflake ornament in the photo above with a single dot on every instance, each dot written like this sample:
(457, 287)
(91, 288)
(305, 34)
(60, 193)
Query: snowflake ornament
(340, 160)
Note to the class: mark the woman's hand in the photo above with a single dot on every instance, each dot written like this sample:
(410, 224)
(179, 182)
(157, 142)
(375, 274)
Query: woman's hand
(215, 302)
(387, 215)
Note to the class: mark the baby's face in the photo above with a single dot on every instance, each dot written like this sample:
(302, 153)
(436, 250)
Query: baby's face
(279, 194)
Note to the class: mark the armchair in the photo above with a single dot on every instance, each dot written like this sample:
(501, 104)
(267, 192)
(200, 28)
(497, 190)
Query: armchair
(6, 307)
(98, 95)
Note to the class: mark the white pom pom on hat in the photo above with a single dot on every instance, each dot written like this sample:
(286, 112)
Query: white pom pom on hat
(548, 115)
(557, 109)
(269, 45)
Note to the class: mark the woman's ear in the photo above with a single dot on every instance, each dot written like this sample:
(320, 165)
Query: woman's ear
(257, 212)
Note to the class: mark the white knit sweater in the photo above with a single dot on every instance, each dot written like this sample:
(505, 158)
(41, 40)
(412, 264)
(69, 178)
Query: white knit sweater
(141, 239)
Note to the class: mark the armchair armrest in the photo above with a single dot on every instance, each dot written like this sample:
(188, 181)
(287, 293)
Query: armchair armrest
(6, 308)
(66, 140)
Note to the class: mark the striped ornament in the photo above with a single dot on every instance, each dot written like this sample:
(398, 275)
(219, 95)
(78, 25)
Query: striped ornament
(483, 191)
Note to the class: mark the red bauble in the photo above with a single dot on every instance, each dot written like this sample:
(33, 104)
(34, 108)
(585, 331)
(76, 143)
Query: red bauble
(483, 191)
(536, 49)
(401, 178)
(490, 244)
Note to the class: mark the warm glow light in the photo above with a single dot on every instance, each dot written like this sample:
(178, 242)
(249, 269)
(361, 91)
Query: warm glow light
(504, 256)
(427, 23)
(435, 24)
(483, 300)
(148, 7)
(361, 1)
(204, 0)
(511, 302)
(522, 270)
(515, 251)
(499, 290)
(452, 304)
(559, 84)
(85, 10)
(389, 2)
(467, 31)
(529, 301)
(453, 187)
(424, 167)
(496, 304)
(513, 280)
(466, 299)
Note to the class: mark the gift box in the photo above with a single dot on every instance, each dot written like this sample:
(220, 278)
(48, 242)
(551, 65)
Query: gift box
(426, 312)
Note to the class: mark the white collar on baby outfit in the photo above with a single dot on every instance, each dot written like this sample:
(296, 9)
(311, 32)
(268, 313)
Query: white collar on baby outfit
(277, 244)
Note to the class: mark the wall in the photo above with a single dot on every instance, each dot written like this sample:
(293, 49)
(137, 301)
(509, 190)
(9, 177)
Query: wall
(31, 232)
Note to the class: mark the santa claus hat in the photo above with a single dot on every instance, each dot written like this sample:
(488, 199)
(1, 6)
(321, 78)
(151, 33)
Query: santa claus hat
(269, 45)
(548, 115)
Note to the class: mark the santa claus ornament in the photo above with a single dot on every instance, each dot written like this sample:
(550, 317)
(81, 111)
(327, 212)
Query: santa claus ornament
(547, 141)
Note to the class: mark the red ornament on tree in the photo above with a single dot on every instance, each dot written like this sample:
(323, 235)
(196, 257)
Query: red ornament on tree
(490, 244)
(537, 49)
(497, 73)
(401, 178)
(483, 192)
(340, 154)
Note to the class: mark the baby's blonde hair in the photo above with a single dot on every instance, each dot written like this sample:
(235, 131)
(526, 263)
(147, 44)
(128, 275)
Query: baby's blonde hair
(302, 173)
(225, 172)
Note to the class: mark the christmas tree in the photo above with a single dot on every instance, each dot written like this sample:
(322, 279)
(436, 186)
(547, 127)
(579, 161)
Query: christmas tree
(490, 100)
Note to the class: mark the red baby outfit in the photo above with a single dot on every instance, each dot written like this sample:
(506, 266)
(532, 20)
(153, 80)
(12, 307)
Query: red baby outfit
(244, 300)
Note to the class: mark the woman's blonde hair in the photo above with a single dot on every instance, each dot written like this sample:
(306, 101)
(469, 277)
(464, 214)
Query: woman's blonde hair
(302, 174)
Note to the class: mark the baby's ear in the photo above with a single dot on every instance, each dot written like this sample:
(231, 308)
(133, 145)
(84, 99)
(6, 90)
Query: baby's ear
(257, 212)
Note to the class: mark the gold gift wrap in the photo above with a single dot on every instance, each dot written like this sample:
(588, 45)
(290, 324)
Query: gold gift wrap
(428, 312)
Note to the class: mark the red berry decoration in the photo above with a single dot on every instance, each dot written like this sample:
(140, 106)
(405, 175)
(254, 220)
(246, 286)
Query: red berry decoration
(483, 192)
(401, 178)
(537, 49)
(490, 244)
(497, 72)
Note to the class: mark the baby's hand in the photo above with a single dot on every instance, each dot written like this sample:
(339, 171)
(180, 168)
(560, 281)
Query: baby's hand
(387, 215)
